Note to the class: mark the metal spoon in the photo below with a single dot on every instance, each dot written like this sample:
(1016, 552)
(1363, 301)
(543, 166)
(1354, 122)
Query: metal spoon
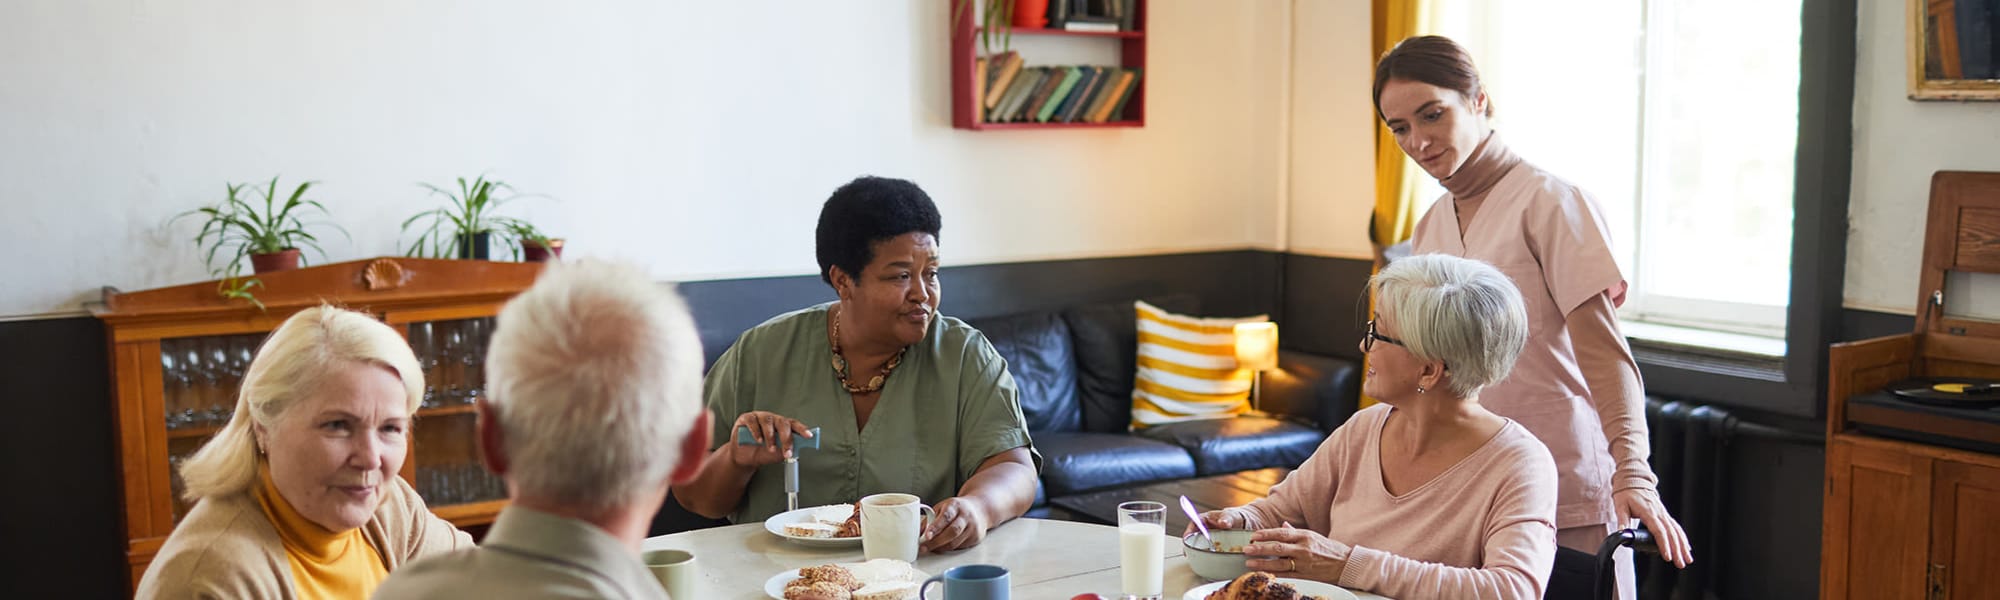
(1189, 507)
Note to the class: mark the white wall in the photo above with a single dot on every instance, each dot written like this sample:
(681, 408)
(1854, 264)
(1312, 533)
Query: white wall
(1898, 144)
(1333, 130)
(696, 137)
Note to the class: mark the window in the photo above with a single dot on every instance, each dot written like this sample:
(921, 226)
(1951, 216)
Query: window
(1681, 116)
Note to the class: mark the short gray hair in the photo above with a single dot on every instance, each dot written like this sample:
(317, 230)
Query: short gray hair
(290, 365)
(595, 377)
(1459, 311)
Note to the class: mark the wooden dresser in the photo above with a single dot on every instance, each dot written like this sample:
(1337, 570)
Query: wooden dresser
(1912, 505)
(178, 353)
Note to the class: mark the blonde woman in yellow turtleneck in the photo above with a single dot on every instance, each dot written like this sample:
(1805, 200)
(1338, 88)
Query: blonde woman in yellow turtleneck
(1575, 385)
(297, 497)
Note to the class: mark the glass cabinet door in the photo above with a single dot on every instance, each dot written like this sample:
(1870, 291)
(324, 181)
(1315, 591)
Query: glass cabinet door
(199, 377)
(446, 439)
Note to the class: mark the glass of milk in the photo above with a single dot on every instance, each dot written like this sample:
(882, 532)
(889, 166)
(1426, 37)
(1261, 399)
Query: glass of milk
(1142, 545)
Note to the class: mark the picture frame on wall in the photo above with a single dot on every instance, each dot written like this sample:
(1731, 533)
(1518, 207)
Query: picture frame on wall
(1954, 49)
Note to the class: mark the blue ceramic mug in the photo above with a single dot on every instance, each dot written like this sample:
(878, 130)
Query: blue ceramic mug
(970, 582)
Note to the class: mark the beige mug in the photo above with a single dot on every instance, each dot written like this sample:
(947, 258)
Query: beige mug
(675, 570)
(891, 525)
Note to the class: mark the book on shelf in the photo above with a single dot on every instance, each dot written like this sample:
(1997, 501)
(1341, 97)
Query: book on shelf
(1033, 109)
(979, 88)
(1091, 24)
(1032, 105)
(1127, 8)
(1100, 107)
(1118, 113)
(1024, 84)
(1058, 13)
(1005, 66)
(1078, 97)
(1061, 91)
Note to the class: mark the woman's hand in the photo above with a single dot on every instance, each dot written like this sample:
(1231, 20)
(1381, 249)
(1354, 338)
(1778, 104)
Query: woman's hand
(960, 523)
(1292, 552)
(774, 435)
(1644, 504)
(1217, 519)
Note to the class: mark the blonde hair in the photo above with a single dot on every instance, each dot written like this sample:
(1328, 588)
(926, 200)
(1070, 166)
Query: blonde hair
(595, 374)
(1459, 311)
(289, 366)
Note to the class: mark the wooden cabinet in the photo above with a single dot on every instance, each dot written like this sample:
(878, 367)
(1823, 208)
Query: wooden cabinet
(178, 354)
(1905, 519)
(1965, 529)
(1910, 521)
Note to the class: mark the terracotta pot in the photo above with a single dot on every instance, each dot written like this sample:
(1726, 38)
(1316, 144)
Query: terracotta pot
(282, 260)
(532, 252)
(1031, 13)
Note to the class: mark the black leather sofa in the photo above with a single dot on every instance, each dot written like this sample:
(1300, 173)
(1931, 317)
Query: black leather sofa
(1075, 367)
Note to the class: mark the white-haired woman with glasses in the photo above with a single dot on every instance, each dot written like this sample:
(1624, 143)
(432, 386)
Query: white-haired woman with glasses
(298, 497)
(1428, 494)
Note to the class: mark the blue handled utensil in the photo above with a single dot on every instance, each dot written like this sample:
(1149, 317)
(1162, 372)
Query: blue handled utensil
(745, 438)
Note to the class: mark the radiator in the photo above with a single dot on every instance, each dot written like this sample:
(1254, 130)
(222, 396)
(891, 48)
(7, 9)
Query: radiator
(1691, 457)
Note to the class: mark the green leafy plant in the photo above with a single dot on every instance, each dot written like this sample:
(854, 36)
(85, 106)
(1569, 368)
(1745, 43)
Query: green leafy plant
(471, 211)
(237, 223)
(996, 20)
(527, 233)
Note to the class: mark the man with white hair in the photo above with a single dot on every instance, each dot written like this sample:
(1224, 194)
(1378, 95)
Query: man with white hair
(594, 409)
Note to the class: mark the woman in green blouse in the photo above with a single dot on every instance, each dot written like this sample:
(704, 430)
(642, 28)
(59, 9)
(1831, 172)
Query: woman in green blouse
(906, 400)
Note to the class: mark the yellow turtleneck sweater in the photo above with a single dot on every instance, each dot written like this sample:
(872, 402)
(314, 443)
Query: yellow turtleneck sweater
(324, 564)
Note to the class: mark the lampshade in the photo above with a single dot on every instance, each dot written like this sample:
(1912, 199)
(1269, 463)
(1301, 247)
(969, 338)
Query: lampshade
(1257, 346)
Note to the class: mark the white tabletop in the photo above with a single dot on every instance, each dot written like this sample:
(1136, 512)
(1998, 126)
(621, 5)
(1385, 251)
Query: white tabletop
(1044, 559)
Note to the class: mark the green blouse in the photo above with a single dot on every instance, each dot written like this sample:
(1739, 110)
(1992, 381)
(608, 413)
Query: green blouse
(947, 408)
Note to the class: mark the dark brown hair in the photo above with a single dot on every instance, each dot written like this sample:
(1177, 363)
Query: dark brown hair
(1431, 59)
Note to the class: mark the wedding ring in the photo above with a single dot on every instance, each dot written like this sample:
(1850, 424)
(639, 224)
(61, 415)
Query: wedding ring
(1294, 564)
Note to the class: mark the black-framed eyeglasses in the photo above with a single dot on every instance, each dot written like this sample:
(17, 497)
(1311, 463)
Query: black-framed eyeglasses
(1368, 339)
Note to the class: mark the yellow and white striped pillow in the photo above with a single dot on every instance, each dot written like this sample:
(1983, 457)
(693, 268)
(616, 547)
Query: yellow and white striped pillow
(1187, 368)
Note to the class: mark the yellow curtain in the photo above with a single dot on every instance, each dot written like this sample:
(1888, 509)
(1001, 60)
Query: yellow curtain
(1396, 209)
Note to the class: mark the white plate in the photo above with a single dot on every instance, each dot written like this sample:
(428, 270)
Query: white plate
(775, 586)
(1306, 587)
(776, 525)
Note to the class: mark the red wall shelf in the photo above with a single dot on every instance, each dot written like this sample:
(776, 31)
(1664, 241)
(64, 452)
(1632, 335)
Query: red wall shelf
(965, 54)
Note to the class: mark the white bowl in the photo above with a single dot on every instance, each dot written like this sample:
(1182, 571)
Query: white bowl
(1217, 565)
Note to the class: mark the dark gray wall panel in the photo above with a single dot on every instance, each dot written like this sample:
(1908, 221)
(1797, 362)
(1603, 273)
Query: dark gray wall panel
(1228, 284)
(61, 511)
(1325, 304)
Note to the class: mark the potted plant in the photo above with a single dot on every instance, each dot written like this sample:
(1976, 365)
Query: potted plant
(270, 236)
(535, 245)
(464, 228)
(995, 19)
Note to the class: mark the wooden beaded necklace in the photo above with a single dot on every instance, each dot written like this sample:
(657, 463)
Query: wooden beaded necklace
(841, 369)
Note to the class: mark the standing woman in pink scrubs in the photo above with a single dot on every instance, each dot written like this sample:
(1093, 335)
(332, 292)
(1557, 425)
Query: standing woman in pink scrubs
(1576, 385)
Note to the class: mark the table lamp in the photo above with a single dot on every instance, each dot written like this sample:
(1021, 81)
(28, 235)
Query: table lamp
(1257, 350)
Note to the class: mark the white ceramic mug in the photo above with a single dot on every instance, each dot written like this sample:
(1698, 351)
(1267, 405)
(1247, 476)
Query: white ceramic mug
(891, 524)
(675, 570)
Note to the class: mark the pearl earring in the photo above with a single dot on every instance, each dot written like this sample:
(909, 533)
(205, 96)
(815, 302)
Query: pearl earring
(1420, 389)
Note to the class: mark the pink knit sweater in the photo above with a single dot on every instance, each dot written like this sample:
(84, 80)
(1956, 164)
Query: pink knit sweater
(1484, 528)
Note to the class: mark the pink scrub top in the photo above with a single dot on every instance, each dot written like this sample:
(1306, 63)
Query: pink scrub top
(1550, 237)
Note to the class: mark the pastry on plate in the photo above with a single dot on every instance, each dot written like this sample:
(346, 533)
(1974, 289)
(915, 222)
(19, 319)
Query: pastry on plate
(887, 590)
(819, 590)
(834, 574)
(811, 530)
(883, 570)
(1257, 585)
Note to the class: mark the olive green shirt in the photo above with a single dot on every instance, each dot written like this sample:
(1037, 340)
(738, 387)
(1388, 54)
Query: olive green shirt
(947, 408)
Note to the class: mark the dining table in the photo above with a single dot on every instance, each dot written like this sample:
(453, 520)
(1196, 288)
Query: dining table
(1045, 559)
